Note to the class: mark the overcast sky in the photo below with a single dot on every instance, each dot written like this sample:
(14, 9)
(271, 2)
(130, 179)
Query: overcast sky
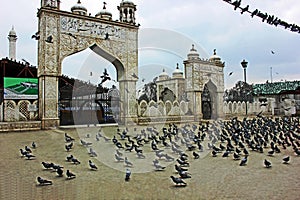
(212, 24)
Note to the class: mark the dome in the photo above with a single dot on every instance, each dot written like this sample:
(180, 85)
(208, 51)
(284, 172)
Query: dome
(215, 57)
(177, 72)
(193, 54)
(127, 2)
(79, 9)
(104, 14)
(163, 76)
(12, 32)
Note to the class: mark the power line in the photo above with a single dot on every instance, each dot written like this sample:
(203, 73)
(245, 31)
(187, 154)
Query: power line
(267, 18)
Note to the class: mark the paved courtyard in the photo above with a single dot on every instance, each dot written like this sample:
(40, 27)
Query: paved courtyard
(212, 177)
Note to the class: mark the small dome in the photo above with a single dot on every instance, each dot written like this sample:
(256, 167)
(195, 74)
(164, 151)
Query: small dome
(127, 2)
(193, 54)
(215, 57)
(79, 9)
(177, 72)
(104, 14)
(12, 32)
(163, 76)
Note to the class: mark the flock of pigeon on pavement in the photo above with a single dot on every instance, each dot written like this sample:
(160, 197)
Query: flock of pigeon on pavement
(176, 144)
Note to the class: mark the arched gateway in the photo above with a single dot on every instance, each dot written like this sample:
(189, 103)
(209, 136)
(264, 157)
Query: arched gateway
(65, 33)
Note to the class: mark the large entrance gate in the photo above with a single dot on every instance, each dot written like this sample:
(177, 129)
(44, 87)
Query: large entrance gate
(65, 33)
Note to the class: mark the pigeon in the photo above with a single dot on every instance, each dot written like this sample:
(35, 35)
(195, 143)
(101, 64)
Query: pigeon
(92, 152)
(119, 153)
(47, 165)
(105, 77)
(245, 152)
(127, 162)
(178, 180)
(184, 174)
(230, 73)
(236, 156)
(214, 153)
(56, 167)
(119, 158)
(271, 153)
(68, 138)
(68, 147)
(70, 174)
(42, 181)
(134, 76)
(59, 172)
(140, 155)
(286, 160)
(84, 143)
(36, 36)
(23, 153)
(49, 39)
(225, 154)
(267, 163)
(69, 158)
(92, 165)
(75, 161)
(28, 149)
(29, 156)
(244, 161)
(33, 145)
(183, 163)
(196, 155)
(127, 175)
(158, 167)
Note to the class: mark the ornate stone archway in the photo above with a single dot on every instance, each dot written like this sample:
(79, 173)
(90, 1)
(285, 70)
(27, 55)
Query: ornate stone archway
(201, 72)
(65, 33)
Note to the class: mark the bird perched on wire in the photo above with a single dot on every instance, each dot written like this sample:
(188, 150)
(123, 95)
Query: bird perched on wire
(92, 165)
(127, 175)
(245, 9)
(42, 181)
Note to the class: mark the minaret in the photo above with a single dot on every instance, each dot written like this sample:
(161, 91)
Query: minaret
(12, 37)
(127, 12)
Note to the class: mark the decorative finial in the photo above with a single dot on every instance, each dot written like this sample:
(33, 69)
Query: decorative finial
(177, 66)
(193, 46)
(78, 2)
(104, 5)
(215, 51)
(164, 70)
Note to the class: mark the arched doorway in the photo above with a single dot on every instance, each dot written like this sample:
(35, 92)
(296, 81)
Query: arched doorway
(62, 34)
(206, 103)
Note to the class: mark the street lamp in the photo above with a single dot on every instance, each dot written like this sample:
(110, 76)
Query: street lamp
(244, 65)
